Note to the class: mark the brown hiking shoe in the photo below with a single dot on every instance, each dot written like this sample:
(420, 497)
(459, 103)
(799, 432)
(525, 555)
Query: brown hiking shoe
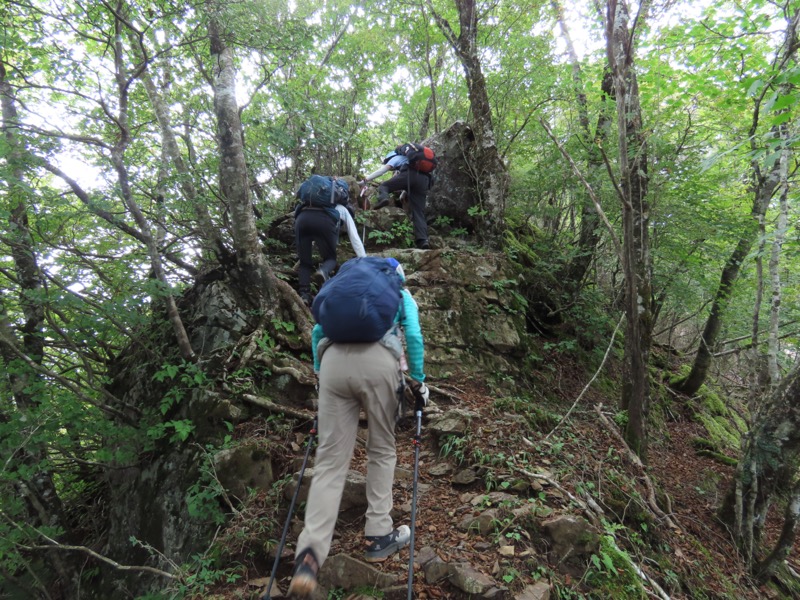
(304, 580)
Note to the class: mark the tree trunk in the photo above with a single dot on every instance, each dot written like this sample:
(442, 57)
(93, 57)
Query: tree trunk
(233, 178)
(118, 161)
(785, 543)
(708, 340)
(764, 185)
(589, 235)
(766, 468)
(635, 222)
(431, 109)
(37, 489)
(774, 265)
(209, 236)
(488, 170)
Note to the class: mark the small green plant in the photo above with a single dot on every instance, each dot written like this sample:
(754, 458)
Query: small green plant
(266, 344)
(195, 577)
(366, 592)
(501, 284)
(204, 498)
(187, 375)
(337, 594)
(477, 211)
(280, 325)
(511, 574)
(562, 347)
(514, 536)
(401, 235)
(453, 446)
(611, 569)
(205, 572)
(442, 222)
(382, 238)
(181, 430)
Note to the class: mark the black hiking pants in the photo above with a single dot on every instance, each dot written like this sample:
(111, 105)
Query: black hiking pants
(310, 226)
(416, 185)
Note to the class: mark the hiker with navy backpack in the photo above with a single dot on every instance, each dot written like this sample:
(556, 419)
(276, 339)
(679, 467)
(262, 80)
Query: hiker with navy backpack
(413, 166)
(322, 210)
(365, 318)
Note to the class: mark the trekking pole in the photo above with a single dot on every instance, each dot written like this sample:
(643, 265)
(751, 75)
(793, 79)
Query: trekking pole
(419, 404)
(313, 433)
(363, 196)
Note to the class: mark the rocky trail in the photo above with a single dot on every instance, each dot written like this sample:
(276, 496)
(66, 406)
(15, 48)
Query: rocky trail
(506, 511)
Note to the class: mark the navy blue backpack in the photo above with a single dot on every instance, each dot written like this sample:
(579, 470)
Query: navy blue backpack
(322, 191)
(359, 303)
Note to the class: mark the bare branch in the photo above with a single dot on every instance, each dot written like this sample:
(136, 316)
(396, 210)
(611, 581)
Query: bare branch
(592, 195)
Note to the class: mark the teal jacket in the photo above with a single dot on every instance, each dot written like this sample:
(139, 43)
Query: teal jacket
(408, 319)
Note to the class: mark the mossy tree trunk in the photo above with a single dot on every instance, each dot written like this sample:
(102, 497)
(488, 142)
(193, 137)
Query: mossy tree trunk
(765, 474)
(233, 178)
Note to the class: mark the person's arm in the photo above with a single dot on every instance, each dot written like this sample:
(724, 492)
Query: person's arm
(316, 335)
(413, 334)
(352, 231)
(384, 169)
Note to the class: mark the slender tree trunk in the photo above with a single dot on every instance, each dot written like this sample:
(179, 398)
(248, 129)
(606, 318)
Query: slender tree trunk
(764, 185)
(38, 489)
(589, 235)
(756, 371)
(118, 161)
(711, 330)
(431, 110)
(635, 223)
(233, 178)
(209, 234)
(774, 267)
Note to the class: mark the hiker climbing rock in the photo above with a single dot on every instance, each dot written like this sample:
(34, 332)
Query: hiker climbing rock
(413, 165)
(323, 209)
(363, 372)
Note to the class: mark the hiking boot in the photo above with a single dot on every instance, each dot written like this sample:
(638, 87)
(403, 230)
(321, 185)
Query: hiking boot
(380, 547)
(306, 298)
(318, 278)
(380, 204)
(304, 580)
(423, 244)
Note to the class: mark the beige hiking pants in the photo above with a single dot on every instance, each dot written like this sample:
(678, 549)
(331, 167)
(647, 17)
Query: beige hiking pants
(352, 376)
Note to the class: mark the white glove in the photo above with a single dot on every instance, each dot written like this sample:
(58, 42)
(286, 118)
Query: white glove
(421, 392)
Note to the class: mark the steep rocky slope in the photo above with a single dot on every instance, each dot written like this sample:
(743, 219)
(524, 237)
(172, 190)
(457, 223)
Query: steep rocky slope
(525, 489)
(514, 499)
